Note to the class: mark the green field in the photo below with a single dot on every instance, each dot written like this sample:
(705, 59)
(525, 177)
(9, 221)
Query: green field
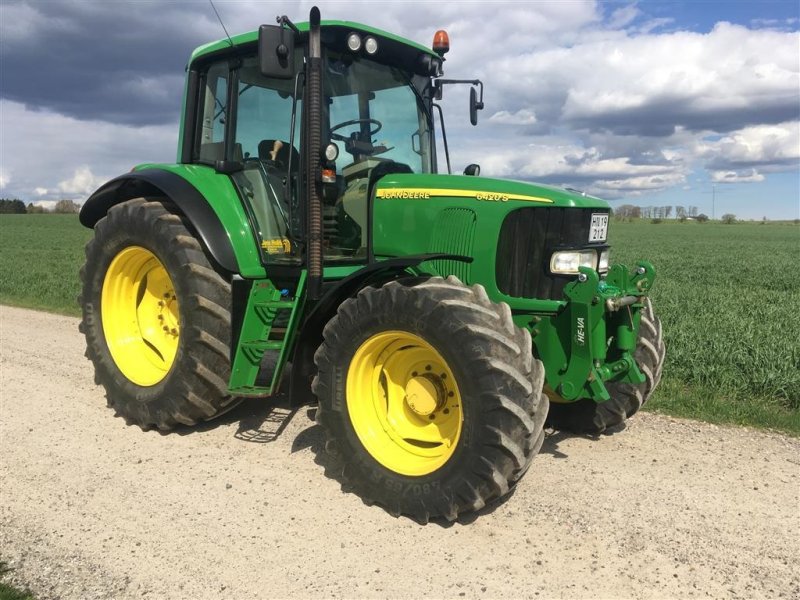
(728, 295)
(39, 260)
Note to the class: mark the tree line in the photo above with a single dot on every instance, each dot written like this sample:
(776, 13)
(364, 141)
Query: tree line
(18, 207)
(628, 212)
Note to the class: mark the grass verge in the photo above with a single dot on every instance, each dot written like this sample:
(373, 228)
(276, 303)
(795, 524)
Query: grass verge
(9, 592)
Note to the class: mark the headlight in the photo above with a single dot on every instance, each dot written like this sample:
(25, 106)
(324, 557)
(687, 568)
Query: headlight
(354, 42)
(371, 45)
(602, 266)
(567, 262)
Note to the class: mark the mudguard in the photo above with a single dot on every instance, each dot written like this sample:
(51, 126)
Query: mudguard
(157, 182)
(310, 336)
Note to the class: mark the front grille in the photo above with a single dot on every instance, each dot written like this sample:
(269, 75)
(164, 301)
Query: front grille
(528, 238)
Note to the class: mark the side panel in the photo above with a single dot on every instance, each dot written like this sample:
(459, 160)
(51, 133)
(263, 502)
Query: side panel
(209, 200)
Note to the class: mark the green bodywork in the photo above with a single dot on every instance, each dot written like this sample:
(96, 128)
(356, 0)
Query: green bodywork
(584, 340)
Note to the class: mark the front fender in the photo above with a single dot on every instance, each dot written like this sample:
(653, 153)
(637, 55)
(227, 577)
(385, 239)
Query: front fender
(310, 337)
(208, 200)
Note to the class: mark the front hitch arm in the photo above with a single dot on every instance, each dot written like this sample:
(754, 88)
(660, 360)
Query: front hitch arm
(592, 340)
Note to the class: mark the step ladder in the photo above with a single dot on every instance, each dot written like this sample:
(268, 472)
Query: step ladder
(258, 336)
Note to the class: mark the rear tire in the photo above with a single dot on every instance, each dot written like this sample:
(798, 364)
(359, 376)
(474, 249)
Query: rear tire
(588, 416)
(156, 317)
(388, 344)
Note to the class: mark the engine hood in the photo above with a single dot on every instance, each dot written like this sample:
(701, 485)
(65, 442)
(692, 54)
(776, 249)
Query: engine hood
(482, 189)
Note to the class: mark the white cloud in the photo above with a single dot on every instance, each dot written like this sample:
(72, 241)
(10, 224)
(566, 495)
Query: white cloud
(746, 176)
(520, 117)
(82, 183)
(79, 155)
(5, 178)
(766, 146)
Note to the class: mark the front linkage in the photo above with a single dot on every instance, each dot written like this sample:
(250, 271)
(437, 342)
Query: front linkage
(592, 340)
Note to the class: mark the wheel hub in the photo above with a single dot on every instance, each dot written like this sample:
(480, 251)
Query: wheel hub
(425, 394)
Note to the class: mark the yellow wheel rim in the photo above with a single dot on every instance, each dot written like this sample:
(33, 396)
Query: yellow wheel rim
(139, 310)
(404, 403)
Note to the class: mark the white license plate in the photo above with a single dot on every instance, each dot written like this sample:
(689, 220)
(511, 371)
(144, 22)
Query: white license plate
(598, 230)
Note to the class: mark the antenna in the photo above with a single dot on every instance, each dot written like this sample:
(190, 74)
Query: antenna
(230, 41)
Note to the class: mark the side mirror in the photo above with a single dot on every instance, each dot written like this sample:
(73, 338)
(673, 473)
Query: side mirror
(472, 169)
(276, 51)
(474, 106)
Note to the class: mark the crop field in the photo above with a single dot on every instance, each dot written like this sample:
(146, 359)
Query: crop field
(728, 295)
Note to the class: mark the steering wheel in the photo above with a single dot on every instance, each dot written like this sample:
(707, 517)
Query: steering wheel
(341, 138)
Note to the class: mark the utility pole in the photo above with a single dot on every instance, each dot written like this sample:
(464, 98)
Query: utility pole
(714, 193)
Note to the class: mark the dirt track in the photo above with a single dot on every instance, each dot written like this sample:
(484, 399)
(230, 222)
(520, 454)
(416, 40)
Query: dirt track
(91, 508)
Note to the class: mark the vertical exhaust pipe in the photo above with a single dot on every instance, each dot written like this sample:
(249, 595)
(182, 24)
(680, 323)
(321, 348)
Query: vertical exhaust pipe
(313, 107)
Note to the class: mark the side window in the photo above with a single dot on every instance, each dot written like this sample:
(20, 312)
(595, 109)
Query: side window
(212, 119)
(268, 181)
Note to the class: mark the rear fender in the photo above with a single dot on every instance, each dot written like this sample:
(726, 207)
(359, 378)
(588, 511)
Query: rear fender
(157, 182)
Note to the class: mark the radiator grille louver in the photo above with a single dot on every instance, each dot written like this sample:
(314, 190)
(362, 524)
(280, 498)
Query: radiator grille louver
(454, 233)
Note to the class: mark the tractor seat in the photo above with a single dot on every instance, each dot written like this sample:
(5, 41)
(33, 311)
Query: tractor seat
(281, 160)
(381, 170)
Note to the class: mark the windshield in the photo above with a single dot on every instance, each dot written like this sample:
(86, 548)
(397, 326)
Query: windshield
(378, 120)
(376, 112)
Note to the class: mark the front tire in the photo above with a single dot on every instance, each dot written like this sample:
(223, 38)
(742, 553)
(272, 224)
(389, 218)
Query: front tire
(156, 318)
(430, 397)
(588, 416)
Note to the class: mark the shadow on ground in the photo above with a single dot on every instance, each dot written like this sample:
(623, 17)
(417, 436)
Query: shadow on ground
(264, 420)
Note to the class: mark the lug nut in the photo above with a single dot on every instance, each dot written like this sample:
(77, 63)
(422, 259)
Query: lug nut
(582, 277)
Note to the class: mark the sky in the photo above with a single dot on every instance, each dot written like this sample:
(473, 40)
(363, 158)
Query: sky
(651, 103)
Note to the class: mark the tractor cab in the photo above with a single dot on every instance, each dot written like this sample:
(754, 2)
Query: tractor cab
(375, 119)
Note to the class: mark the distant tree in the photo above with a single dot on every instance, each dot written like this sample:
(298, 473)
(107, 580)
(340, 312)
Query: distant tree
(68, 207)
(35, 209)
(693, 211)
(627, 212)
(702, 217)
(8, 206)
(667, 212)
(680, 213)
(764, 220)
(729, 219)
(656, 221)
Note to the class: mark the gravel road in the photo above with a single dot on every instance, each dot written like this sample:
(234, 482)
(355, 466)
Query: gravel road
(91, 508)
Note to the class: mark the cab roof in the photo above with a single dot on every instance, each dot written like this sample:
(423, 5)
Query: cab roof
(252, 37)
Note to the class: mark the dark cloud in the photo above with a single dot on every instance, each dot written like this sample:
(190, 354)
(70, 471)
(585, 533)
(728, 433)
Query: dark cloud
(121, 63)
(661, 117)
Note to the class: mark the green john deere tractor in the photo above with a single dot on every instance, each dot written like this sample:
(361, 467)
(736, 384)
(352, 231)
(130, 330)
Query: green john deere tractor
(435, 317)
